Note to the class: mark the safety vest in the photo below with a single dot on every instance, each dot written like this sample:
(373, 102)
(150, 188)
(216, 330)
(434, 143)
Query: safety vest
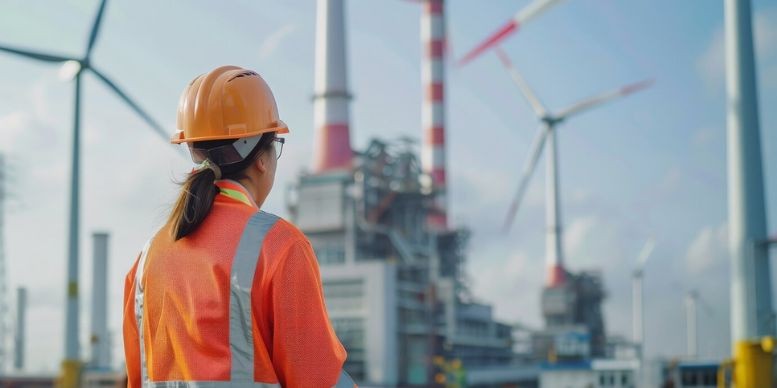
(245, 312)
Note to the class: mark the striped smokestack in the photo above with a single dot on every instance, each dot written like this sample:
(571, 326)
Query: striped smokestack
(433, 110)
(331, 116)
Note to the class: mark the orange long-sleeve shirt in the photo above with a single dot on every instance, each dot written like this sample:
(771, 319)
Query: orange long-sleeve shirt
(186, 287)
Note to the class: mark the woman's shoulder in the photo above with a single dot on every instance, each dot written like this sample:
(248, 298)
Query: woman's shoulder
(284, 242)
(285, 231)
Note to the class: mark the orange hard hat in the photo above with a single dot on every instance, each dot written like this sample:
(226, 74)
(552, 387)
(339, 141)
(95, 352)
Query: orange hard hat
(227, 103)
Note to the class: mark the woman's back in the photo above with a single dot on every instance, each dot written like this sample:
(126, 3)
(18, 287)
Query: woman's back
(192, 308)
(225, 294)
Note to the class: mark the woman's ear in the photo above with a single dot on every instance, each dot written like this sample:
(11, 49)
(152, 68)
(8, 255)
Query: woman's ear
(261, 163)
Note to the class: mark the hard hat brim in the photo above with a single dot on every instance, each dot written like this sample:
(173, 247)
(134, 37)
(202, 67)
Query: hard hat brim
(280, 128)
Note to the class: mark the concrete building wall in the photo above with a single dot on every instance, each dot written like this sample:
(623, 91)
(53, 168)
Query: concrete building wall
(588, 378)
(364, 294)
(568, 379)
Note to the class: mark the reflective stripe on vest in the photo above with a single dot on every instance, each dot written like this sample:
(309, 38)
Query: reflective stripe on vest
(139, 311)
(344, 382)
(241, 342)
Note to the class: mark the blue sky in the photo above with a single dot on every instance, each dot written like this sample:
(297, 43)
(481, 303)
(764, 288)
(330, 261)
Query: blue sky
(650, 165)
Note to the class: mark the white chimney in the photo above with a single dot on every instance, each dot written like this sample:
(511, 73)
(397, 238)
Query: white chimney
(99, 340)
(21, 323)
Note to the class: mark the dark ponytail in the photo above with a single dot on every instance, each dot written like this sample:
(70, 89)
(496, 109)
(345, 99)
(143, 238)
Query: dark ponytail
(199, 190)
(194, 202)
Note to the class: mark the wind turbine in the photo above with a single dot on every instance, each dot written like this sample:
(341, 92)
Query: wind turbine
(690, 315)
(528, 13)
(692, 300)
(76, 67)
(436, 49)
(547, 134)
(638, 323)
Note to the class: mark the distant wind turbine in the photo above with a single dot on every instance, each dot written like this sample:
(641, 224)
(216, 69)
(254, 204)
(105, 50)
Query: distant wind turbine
(638, 323)
(75, 67)
(547, 134)
(692, 299)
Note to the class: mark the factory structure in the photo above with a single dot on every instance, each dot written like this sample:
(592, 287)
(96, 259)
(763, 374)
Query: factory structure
(391, 264)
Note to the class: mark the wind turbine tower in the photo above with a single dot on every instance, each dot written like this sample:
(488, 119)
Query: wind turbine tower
(21, 328)
(567, 299)
(752, 312)
(638, 311)
(546, 138)
(77, 67)
(3, 276)
(691, 302)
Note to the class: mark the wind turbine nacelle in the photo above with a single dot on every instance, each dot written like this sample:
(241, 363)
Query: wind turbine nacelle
(551, 120)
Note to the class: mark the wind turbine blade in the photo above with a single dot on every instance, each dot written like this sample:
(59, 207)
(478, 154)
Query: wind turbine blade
(503, 32)
(600, 99)
(145, 116)
(36, 55)
(95, 28)
(522, 17)
(528, 170)
(527, 92)
(644, 254)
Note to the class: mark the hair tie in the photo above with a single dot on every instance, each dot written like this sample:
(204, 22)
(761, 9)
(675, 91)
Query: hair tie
(211, 166)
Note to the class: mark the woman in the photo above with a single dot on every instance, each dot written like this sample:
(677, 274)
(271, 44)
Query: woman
(226, 295)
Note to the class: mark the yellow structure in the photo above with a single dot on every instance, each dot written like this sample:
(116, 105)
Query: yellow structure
(752, 365)
(71, 374)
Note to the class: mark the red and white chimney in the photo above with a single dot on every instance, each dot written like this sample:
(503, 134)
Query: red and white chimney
(433, 110)
(331, 99)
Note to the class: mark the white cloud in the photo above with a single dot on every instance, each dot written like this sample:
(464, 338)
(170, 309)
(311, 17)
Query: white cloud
(710, 247)
(12, 127)
(578, 232)
(271, 43)
(595, 242)
(33, 126)
(511, 284)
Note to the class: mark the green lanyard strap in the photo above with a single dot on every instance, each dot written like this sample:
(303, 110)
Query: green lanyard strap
(236, 195)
